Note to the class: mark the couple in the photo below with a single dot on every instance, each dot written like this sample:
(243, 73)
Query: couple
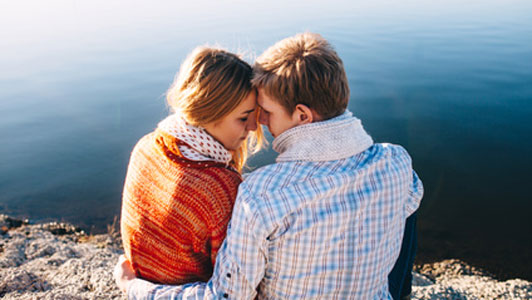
(325, 221)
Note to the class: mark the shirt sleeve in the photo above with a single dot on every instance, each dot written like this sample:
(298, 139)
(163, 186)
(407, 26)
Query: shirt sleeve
(415, 194)
(218, 226)
(240, 264)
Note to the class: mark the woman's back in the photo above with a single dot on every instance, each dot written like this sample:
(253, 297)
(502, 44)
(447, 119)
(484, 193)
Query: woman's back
(183, 178)
(175, 211)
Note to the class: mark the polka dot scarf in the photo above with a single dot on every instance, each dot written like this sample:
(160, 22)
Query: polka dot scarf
(201, 145)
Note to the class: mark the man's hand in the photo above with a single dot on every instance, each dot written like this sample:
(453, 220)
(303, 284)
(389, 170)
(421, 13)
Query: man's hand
(123, 273)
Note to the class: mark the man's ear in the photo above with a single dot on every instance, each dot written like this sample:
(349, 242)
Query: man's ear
(303, 114)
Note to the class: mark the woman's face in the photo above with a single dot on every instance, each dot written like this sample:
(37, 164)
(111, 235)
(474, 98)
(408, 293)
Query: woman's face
(233, 129)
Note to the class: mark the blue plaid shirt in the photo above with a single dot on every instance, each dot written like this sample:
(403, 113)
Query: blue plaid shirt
(311, 229)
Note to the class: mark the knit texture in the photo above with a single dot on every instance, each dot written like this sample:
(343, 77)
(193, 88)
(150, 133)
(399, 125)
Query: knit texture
(175, 211)
(337, 138)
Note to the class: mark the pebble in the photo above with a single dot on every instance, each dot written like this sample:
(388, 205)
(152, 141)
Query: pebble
(58, 261)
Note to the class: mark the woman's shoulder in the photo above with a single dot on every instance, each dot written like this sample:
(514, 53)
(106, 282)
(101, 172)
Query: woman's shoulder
(144, 141)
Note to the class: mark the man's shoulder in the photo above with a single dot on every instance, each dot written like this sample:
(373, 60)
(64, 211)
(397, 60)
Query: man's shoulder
(388, 149)
(274, 177)
(273, 172)
(390, 157)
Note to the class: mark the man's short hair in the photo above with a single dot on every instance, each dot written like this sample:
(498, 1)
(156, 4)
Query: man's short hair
(304, 69)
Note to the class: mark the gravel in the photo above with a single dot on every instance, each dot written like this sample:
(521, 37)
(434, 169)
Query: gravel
(59, 261)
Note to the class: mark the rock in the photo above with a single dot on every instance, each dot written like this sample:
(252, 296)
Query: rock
(7, 223)
(421, 280)
(454, 279)
(61, 228)
(449, 268)
(13, 254)
(46, 262)
(59, 261)
(16, 281)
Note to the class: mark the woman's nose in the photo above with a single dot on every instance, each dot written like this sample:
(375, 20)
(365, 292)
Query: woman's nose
(263, 118)
(252, 122)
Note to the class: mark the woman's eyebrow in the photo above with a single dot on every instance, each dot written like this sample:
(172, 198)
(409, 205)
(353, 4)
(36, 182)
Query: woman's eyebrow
(248, 111)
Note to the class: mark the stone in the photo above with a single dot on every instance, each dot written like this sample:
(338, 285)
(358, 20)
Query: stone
(58, 261)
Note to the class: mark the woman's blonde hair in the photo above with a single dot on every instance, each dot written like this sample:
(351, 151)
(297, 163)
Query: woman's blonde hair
(210, 84)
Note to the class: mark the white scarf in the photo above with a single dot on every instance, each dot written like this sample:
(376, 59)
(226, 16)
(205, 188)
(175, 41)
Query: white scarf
(201, 145)
(333, 139)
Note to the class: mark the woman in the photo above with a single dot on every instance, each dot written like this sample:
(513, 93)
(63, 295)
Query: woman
(182, 179)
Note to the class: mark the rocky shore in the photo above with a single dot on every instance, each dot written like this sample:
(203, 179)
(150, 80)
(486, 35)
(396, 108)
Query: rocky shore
(59, 261)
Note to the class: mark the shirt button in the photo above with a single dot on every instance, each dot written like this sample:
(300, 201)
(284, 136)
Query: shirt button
(226, 295)
(228, 275)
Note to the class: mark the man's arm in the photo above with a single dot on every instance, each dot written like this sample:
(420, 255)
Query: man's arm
(125, 278)
(239, 268)
(415, 186)
(415, 194)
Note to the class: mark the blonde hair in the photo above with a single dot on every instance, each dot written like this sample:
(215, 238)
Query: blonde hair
(210, 84)
(304, 69)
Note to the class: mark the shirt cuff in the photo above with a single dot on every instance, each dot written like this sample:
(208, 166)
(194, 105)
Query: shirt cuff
(139, 289)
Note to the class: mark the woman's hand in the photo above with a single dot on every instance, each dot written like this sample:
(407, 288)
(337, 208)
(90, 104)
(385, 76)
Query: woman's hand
(123, 273)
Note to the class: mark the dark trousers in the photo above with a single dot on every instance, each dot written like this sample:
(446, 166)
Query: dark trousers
(400, 279)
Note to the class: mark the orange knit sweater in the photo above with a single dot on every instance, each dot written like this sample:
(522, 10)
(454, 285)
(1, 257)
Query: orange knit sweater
(175, 211)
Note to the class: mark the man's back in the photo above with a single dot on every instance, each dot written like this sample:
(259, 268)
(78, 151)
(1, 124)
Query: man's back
(331, 229)
(325, 222)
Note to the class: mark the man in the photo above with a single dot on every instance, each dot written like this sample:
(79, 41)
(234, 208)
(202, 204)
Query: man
(327, 219)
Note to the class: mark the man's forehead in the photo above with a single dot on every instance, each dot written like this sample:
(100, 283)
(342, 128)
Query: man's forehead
(263, 100)
(260, 101)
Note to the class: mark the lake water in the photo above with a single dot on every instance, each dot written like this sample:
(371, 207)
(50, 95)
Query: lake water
(81, 81)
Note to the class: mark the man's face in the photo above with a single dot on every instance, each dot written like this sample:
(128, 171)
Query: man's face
(274, 115)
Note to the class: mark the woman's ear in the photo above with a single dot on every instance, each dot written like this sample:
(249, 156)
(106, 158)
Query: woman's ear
(303, 114)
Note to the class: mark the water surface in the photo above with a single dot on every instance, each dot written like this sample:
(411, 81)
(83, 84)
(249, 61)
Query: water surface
(81, 82)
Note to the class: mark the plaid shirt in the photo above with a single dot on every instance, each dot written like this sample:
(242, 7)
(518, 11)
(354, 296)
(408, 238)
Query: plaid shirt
(311, 230)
